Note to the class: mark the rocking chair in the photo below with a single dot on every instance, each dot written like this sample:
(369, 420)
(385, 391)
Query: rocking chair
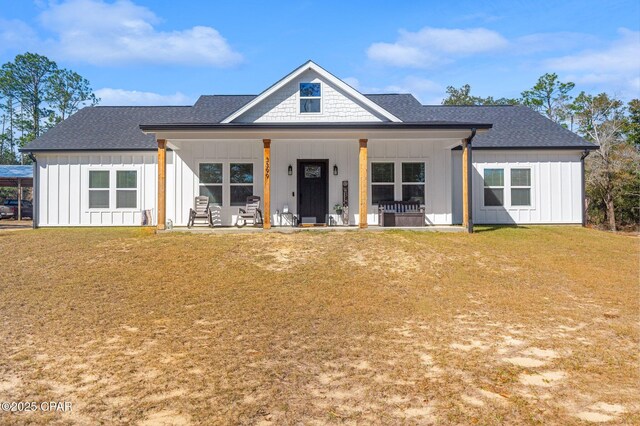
(201, 211)
(250, 213)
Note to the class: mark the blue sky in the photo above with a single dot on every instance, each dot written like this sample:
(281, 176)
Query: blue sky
(139, 52)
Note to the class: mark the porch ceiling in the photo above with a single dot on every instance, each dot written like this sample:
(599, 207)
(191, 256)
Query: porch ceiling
(439, 130)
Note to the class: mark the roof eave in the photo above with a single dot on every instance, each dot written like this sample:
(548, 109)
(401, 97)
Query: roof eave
(26, 149)
(150, 128)
(533, 147)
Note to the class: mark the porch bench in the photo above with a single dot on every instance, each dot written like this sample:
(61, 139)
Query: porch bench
(400, 213)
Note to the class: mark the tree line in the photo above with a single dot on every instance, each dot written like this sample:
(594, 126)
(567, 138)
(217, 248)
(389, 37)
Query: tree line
(35, 95)
(612, 172)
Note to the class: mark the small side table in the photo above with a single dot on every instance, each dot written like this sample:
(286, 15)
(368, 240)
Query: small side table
(290, 219)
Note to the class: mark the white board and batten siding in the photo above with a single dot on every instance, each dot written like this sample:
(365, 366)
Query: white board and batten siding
(183, 168)
(62, 195)
(63, 188)
(556, 196)
(436, 154)
(341, 153)
(183, 182)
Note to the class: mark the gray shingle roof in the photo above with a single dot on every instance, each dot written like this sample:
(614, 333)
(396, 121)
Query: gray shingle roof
(105, 128)
(514, 126)
(117, 128)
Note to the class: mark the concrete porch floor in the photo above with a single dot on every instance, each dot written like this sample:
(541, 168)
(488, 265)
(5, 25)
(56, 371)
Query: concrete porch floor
(289, 230)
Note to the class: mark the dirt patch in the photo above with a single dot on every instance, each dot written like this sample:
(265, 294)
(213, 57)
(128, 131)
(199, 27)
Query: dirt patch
(541, 353)
(545, 379)
(524, 362)
(165, 418)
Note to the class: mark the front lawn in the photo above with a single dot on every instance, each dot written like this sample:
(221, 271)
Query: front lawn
(505, 326)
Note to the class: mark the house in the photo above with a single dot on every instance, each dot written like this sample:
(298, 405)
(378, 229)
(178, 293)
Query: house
(306, 143)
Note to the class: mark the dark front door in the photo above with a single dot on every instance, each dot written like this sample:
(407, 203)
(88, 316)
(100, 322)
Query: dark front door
(313, 190)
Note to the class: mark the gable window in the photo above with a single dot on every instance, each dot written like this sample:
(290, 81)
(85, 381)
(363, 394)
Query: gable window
(310, 98)
(240, 183)
(126, 189)
(210, 175)
(520, 187)
(98, 189)
(413, 180)
(494, 187)
(382, 182)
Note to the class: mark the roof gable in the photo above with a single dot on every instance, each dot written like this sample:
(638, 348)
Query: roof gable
(340, 102)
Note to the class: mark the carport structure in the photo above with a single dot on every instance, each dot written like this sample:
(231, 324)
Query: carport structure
(17, 176)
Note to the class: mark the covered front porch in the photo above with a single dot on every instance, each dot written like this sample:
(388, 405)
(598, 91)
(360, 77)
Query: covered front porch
(304, 174)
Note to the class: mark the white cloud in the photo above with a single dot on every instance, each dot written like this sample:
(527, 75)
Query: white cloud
(353, 82)
(547, 42)
(425, 90)
(118, 97)
(616, 65)
(622, 55)
(413, 84)
(103, 33)
(15, 33)
(434, 46)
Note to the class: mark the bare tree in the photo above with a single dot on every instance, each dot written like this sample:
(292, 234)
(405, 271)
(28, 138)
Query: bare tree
(601, 119)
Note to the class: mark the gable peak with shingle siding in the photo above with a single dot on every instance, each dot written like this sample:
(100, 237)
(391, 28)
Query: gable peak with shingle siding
(339, 101)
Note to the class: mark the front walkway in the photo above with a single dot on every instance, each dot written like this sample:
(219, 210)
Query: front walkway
(288, 230)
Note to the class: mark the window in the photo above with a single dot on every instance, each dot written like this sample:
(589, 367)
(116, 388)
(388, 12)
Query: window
(310, 98)
(382, 182)
(312, 172)
(211, 182)
(241, 183)
(126, 189)
(101, 187)
(413, 180)
(493, 187)
(98, 189)
(520, 187)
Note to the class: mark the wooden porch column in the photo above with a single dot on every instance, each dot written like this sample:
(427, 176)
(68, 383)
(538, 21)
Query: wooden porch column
(267, 184)
(162, 183)
(467, 193)
(362, 183)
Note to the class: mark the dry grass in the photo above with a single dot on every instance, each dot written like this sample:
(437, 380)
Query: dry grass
(506, 326)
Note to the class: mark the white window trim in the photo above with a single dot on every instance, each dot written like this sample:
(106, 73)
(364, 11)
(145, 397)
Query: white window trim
(372, 183)
(253, 184)
(507, 186)
(112, 188)
(226, 178)
(424, 184)
(89, 190)
(529, 187)
(116, 189)
(321, 97)
(397, 170)
(503, 187)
